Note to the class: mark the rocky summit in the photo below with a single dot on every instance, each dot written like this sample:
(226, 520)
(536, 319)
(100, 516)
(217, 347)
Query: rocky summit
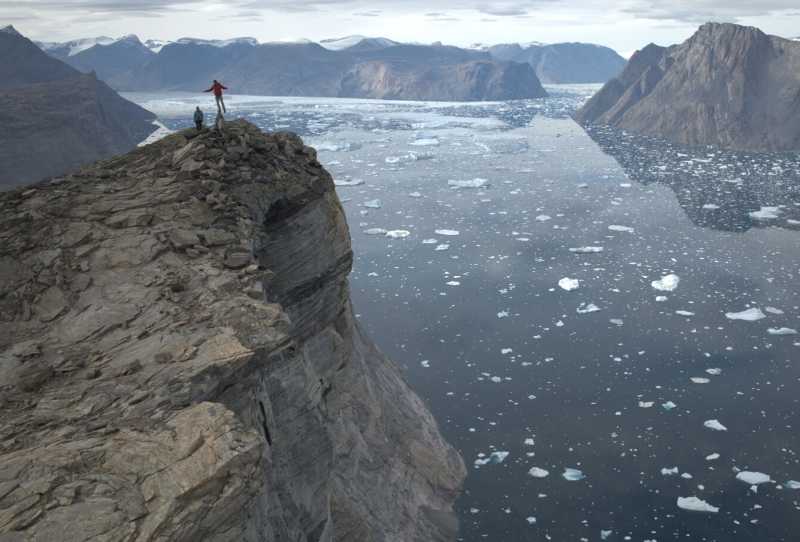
(728, 85)
(179, 359)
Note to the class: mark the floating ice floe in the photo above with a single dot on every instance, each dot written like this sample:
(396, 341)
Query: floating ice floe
(693, 504)
(646, 404)
(711, 206)
(335, 147)
(661, 298)
(414, 195)
(537, 472)
(782, 331)
(453, 283)
(442, 247)
(474, 183)
(373, 204)
(448, 232)
(425, 142)
(586, 250)
(753, 478)
(531, 520)
(605, 534)
(749, 315)
(349, 182)
(712, 457)
(714, 371)
(667, 283)
(684, 313)
(670, 472)
(503, 314)
(792, 484)
(398, 234)
(773, 310)
(766, 213)
(617, 321)
(425, 363)
(375, 231)
(569, 284)
(543, 218)
(429, 241)
(573, 475)
(714, 425)
(585, 308)
(700, 380)
(626, 229)
(495, 458)
(669, 405)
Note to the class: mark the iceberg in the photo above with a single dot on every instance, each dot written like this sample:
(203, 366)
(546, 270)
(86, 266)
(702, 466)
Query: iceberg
(666, 283)
(749, 315)
(693, 504)
(753, 478)
(573, 475)
(714, 425)
(536, 472)
(569, 284)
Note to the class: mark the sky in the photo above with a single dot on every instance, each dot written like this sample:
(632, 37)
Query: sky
(625, 25)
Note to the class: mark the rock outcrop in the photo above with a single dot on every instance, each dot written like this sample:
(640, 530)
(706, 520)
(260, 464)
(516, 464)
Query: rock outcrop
(179, 359)
(54, 118)
(564, 62)
(728, 85)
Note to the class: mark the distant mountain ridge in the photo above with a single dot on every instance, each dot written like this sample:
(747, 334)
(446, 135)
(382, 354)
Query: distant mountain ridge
(564, 62)
(355, 66)
(55, 118)
(727, 85)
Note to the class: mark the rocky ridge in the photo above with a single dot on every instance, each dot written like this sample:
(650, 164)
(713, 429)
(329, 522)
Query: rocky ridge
(179, 359)
(728, 85)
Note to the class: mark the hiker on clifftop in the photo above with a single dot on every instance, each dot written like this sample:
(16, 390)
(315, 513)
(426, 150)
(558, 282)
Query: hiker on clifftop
(198, 118)
(217, 89)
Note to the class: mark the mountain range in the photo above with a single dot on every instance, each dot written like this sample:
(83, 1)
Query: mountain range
(56, 118)
(728, 85)
(349, 67)
(354, 66)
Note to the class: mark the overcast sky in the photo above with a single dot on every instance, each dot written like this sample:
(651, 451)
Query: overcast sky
(625, 25)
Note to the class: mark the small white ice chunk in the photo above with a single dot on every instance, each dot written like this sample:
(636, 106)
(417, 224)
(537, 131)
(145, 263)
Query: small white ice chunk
(693, 504)
(667, 283)
(398, 234)
(537, 472)
(473, 183)
(782, 331)
(669, 405)
(714, 425)
(531, 520)
(626, 229)
(753, 478)
(766, 213)
(373, 204)
(450, 233)
(573, 475)
(375, 231)
(585, 308)
(712, 457)
(792, 484)
(586, 250)
(669, 472)
(749, 315)
(569, 284)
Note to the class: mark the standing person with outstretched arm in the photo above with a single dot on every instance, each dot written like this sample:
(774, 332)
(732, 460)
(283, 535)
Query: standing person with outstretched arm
(217, 89)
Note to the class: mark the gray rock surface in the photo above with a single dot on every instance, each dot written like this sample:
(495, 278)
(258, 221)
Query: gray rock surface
(728, 85)
(179, 359)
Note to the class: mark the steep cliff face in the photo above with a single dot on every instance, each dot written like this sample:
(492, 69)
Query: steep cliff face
(727, 85)
(179, 359)
(564, 62)
(54, 118)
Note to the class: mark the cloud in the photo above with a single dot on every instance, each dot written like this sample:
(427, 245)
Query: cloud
(700, 11)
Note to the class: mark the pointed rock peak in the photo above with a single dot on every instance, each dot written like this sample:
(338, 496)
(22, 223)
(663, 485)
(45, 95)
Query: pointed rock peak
(10, 30)
(130, 38)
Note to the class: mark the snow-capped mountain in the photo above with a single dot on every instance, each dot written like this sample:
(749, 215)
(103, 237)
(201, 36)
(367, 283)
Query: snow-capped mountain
(349, 42)
(74, 47)
(218, 43)
(10, 30)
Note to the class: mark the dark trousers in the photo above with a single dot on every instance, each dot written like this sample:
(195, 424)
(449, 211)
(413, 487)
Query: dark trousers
(198, 124)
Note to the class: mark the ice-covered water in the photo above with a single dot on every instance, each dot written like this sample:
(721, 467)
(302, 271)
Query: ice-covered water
(580, 310)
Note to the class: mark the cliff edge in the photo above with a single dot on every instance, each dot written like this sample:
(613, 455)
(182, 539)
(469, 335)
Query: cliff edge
(728, 85)
(179, 359)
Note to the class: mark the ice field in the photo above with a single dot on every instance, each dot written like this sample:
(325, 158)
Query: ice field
(605, 326)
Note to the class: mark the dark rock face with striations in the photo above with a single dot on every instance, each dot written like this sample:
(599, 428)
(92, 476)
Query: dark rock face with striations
(728, 85)
(179, 359)
(54, 118)
(564, 62)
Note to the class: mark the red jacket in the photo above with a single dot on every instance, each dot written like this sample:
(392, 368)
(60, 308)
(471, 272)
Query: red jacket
(217, 88)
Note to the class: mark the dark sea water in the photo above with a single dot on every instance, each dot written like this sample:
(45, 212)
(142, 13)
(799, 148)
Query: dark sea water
(463, 218)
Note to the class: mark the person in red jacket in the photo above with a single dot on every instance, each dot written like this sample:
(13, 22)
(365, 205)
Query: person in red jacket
(217, 89)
